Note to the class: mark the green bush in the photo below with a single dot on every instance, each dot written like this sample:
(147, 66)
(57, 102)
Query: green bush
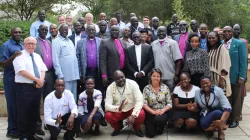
(6, 26)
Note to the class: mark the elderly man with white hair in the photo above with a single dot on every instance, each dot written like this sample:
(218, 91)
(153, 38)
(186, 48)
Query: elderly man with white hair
(89, 20)
(29, 77)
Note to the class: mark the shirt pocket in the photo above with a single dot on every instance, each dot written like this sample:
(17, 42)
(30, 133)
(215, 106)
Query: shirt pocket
(65, 51)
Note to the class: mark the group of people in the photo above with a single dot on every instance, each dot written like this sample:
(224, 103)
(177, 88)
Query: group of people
(93, 74)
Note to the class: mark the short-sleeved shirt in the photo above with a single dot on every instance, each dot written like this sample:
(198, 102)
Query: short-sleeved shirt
(185, 97)
(7, 50)
(24, 62)
(165, 56)
(157, 101)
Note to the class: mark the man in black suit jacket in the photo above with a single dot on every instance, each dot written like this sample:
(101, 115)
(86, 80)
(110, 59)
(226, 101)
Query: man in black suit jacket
(53, 32)
(112, 56)
(134, 26)
(139, 61)
(77, 35)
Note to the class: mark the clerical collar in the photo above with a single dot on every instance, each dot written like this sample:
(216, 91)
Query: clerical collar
(42, 39)
(162, 39)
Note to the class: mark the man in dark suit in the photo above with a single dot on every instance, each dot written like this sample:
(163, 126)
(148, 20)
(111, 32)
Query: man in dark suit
(77, 35)
(134, 26)
(139, 61)
(112, 56)
(43, 48)
(237, 52)
(53, 32)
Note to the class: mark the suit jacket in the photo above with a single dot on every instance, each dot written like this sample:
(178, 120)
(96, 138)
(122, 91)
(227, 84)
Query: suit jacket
(72, 37)
(39, 49)
(109, 57)
(50, 39)
(238, 57)
(147, 60)
(81, 54)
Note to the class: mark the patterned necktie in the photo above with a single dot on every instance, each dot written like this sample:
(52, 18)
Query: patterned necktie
(35, 67)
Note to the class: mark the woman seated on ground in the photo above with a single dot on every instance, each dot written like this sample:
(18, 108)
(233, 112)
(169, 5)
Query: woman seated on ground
(157, 102)
(182, 97)
(215, 108)
(196, 60)
(89, 105)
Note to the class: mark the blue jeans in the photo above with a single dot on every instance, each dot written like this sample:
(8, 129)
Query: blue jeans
(205, 121)
(10, 95)
(97, 117)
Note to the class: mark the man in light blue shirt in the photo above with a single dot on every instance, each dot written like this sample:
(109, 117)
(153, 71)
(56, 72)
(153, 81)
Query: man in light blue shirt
(64, 60)
(35, 25)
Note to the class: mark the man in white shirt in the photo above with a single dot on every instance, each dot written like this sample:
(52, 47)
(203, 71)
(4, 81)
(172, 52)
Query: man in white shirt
(139, 61)
(29, 76)
(60, 109)
(124, 100)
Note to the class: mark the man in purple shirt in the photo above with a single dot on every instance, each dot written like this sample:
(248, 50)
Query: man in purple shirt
(43, 48)
(87, 53)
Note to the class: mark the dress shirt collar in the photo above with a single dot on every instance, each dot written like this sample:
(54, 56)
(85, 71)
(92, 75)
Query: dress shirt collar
(42, 39)
(62, 38)
(90, 38)
(136, 46)
(228, 42)
(14, 42)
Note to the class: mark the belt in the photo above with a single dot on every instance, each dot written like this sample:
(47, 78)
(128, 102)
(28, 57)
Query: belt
(25, 83)
(92, 69)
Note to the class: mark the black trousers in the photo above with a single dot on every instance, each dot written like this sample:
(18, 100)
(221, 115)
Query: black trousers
(47, 88)
(28, 101)
(154, 123)
(55, 131)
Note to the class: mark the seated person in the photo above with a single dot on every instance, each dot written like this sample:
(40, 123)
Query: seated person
(89, 106)
(124, 100)
(60, 109)
(215, 108)
(183, 95)
(157, 103)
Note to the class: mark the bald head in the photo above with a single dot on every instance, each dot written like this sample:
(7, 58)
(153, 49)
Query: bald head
(114, 32)
(134, 22)
(155, 21)
(53, 30)
(228, 33)
(132, 15)
(236, 31)
(43, 31)
(119, 78)
(174, 18)
(161, 32)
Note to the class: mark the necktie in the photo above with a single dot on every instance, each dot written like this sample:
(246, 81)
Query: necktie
(35, 67)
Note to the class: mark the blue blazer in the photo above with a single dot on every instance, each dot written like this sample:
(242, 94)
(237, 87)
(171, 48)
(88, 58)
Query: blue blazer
(238, 57)
(72, 37)
(81, 54)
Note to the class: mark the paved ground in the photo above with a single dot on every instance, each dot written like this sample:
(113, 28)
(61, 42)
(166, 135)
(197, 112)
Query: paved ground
(240, 133)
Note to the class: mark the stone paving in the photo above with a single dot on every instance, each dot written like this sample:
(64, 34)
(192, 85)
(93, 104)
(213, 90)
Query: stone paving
(242, 132)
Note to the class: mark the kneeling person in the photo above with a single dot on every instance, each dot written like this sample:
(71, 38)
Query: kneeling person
(60, 109)
(89, 105)
(124, 100)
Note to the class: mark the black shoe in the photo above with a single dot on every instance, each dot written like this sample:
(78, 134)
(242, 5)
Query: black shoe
(23, 138)
(35, 137)
(115, 133)
(12, 135)
(103, 122)
(139, 133)
(234, 124)
(40, 132)
(45, 127)
(210, 134)
(170, 125)
(67, 137)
